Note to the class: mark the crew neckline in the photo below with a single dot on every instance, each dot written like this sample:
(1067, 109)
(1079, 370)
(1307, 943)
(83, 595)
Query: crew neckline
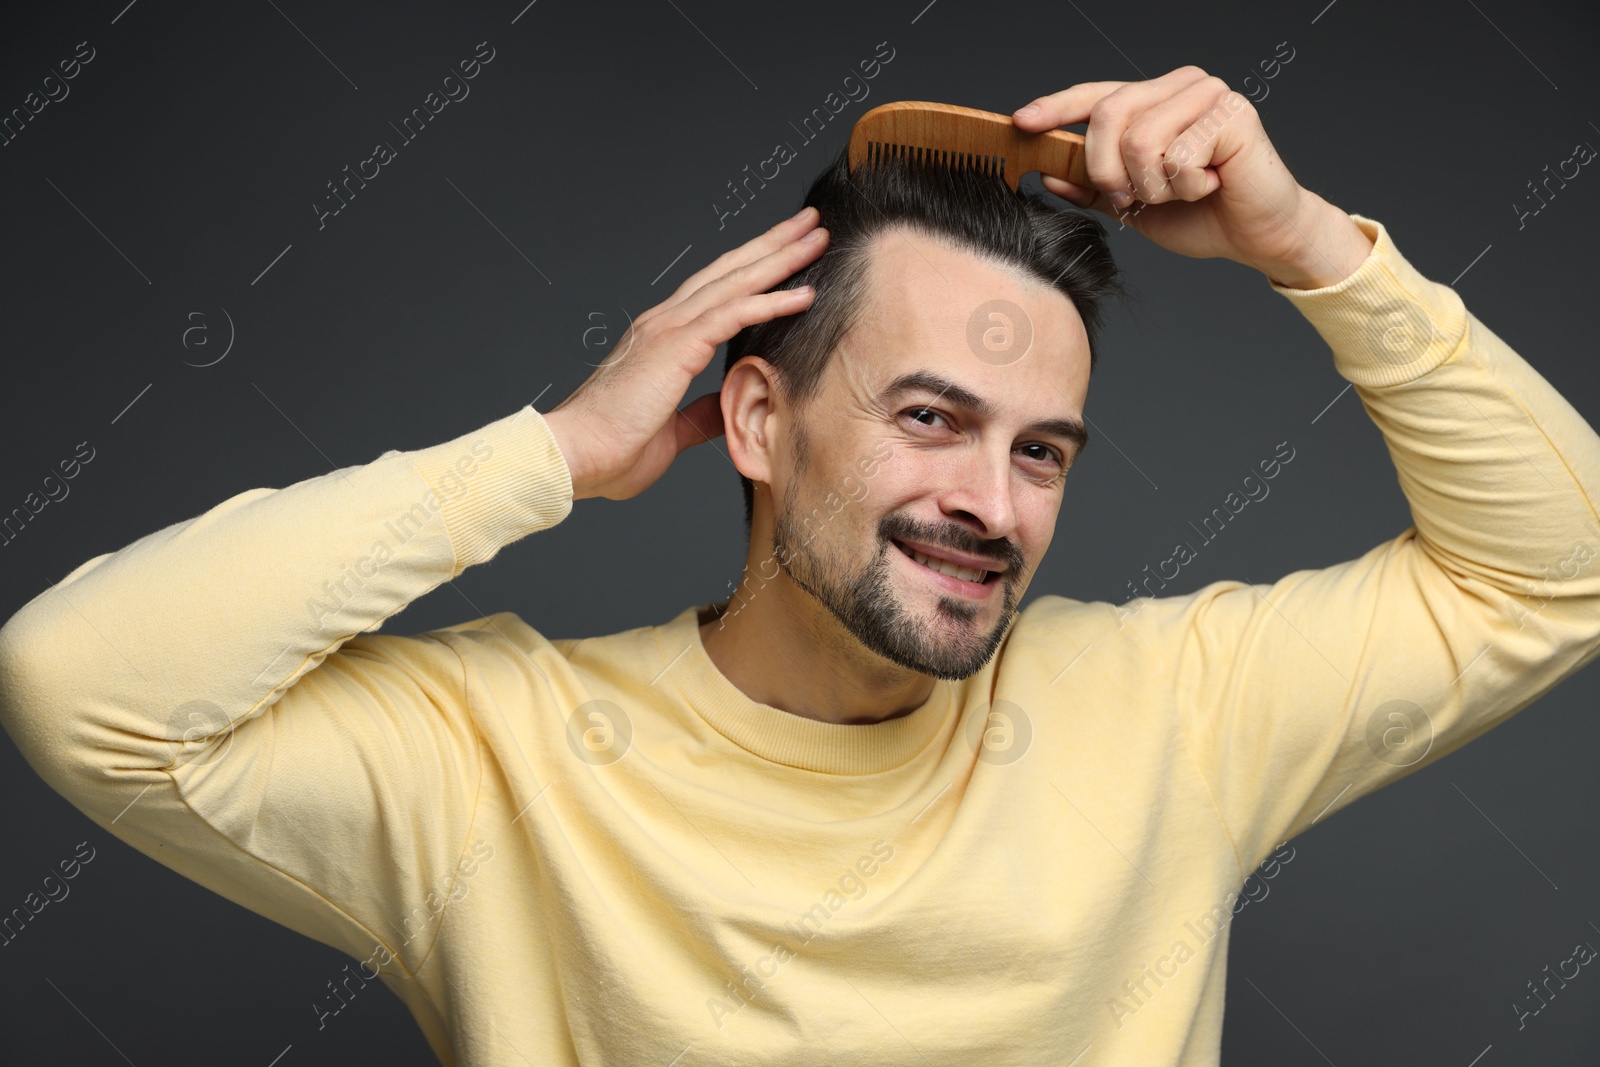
(783, 737)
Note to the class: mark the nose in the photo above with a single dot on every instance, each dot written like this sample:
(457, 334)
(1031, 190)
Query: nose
(980, 493)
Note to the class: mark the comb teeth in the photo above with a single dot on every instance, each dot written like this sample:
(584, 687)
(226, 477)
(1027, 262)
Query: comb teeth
(880, 151)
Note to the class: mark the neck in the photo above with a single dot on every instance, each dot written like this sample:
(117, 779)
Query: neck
(780, 647)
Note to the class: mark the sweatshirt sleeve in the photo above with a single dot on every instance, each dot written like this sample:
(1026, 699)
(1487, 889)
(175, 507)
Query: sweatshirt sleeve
(209, 694)
(1302, 695)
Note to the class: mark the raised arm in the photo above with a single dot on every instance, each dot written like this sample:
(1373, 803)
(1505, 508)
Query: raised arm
(210, 693)
(203, 693)
(1302, 695)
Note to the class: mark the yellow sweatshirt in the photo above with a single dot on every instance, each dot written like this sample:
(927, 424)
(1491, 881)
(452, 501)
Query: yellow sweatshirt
(599, 851)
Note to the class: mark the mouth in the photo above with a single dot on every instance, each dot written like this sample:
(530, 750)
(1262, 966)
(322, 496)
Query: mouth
(966, 581)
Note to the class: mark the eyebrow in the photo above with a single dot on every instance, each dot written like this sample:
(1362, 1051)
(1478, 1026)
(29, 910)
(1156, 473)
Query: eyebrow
(927, 381)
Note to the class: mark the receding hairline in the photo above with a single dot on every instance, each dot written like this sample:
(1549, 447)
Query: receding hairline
(901, 228)
(1069, 426)
(870, 296)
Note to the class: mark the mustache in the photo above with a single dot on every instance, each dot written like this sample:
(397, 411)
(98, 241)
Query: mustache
(1001, 551)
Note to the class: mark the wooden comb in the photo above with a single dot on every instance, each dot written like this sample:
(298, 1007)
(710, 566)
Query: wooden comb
(964, 137)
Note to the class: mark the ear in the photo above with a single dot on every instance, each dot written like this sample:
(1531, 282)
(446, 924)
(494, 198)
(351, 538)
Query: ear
(748, 392)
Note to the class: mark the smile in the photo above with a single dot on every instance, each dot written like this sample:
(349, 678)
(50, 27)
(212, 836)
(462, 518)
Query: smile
(970, 581)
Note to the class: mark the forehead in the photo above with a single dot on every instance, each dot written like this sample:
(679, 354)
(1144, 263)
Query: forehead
(928, 301)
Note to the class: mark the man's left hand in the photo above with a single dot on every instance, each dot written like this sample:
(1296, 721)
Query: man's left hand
(1183, 159)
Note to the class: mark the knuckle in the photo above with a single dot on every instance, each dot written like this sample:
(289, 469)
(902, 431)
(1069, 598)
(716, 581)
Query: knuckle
(1104, 177)
(741, 273)
(647, 325)
(1154, 175)
(723, 266)
(1193, 71)
(687, 289)
(719, 311)
(1137, 142)
(1105, 110)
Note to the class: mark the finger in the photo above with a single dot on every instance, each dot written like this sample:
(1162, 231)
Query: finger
(1149, 143)
(1110, 118)
(1063, 108)
(1074, 103)
(719, 323)
(699, 420)
(775, 238)
(1092, 199)
(1108, 107)
(1084, 196)
(756, 277)
(1213, 139)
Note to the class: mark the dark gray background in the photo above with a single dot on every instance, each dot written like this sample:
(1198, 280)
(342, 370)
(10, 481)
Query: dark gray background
(188, 156)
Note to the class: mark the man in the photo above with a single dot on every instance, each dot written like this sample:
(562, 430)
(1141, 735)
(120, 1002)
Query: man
(863, 810)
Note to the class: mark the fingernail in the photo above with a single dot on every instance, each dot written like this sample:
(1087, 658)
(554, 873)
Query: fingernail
(1028, 112)
(1121, 199)
(802, 211)
(814, 235)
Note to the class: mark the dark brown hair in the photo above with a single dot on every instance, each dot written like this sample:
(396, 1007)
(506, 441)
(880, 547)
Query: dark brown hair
(974, 210)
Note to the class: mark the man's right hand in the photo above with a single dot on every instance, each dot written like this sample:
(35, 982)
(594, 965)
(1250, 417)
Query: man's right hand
(621, 429)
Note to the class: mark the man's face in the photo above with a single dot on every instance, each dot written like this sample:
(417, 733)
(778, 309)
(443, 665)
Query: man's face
(930, 433)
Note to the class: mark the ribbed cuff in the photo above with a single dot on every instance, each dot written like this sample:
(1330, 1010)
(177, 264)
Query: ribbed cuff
(1385, 322)
(497, 484)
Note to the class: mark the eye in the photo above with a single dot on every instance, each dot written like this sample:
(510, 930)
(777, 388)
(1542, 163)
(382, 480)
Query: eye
(1047, 453)
(917, 413)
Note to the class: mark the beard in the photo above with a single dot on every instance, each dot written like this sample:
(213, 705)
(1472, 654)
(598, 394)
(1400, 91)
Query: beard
(864, 600)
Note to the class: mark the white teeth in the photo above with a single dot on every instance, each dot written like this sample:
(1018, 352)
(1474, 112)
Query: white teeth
(966, 574)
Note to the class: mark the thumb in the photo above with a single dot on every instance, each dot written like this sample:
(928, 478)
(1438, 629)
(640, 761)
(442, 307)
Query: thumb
(699, 420)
